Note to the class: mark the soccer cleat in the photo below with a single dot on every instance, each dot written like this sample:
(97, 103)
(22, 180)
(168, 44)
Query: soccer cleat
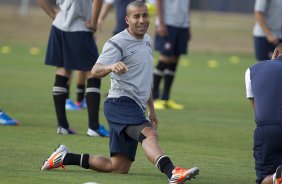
(101, 131)
(56, 159)
(81, 105)
(65, 131)
(70, 105)
(159, 104)
(170, 104)
(278, 175)
(180, 175)
(6, 120)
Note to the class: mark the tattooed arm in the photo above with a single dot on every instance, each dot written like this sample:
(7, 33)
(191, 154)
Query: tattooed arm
(100, 70)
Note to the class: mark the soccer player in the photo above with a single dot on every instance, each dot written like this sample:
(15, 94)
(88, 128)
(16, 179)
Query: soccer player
(267, 30)
(128, 57)
(263, 89)
(171, 40)
(71, 47)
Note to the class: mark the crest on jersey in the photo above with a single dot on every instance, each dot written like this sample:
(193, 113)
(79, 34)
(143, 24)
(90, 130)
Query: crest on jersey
(167, 46)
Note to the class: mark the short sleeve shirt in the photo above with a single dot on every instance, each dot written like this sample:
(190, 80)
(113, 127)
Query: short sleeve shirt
(136, 54)
(176, 13)
(272, 13)
(249, 92)
(73, 14)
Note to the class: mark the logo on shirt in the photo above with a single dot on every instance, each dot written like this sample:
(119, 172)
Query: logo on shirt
(148, 44)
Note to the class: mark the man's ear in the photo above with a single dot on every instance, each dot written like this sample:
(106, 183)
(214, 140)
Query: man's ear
(126, 19)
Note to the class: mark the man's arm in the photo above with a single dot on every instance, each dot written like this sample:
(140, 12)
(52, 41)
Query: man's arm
(96, 7)
(161, 28)
(104, 12)
(46, 6)
(100, 70)
(151, 113)
(259, 16)
(249, 91)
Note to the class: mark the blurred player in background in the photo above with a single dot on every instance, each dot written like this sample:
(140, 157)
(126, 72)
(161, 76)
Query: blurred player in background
(71, 47)
(267, 31)
(171, 40)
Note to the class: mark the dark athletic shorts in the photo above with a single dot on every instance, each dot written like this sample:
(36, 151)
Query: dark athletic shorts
(175, 44)
(120, 113)
(263, 49)
(71, 50)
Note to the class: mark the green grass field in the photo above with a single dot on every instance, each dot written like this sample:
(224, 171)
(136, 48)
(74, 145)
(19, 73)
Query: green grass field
(214, 132)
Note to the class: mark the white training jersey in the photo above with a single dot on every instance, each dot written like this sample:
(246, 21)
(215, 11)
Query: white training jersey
(272, 14)
(137, 55)
(249, 92)
(73, 14)
(176, 13)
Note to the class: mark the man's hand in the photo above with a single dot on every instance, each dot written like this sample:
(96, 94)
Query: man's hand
(119, 68)
(153, 119)
(89, 26)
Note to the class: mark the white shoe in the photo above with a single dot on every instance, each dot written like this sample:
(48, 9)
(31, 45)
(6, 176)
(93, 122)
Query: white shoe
(92, 133)
(180, 175)
(100, 132)
(65, 131)
(56, 159)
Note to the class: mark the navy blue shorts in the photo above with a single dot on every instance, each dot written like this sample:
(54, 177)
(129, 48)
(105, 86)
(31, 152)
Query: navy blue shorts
(175, 43)
(121, 112)
(263, 49)
(267, 150)
(71, 50)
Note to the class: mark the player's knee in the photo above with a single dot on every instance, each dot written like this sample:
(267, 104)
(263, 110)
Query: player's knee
(120, 169)
(150, 134)
(167, 59)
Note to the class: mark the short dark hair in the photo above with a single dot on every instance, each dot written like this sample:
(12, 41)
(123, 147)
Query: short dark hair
(137, 3)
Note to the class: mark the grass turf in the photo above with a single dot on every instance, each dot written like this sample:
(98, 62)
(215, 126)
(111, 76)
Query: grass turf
(214, 132)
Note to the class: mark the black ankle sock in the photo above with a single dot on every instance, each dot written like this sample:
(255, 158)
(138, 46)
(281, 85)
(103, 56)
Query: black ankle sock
(68, 91)
(169, 75)
(80, 90)
(59, 96)
(81, 160)
(93, 102)
(158, 75)
(165, 165)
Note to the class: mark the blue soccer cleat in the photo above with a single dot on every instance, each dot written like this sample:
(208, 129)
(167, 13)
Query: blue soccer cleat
(82, 105)
(100, 132)
(70, 105)
(6, 120)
